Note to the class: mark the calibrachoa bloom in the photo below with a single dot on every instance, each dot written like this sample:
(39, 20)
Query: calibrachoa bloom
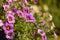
(9, 34)
(8, 30)
(1, 23)
(10, 18)
(20, 13)
(8, 26)
(9, 1)
(24, 1)
(35, 1)
(6, 6)
(42, 22)
(10, 12)
(14, 10)
(43, 35)
(26, 10)
(30, 18)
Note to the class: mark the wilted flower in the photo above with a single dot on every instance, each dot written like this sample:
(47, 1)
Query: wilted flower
(30, 18)
(35, 1)
(50, 16)
(55, 35)
(20, 13)
(10, 18)
(52, 26)
(8, 27)
(1, 23)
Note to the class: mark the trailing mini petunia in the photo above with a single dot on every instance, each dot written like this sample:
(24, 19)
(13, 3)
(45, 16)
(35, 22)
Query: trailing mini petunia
(1, 23)
(10, 18)
(9, 34)
(8, 27)
(6, 6)
(43, 35)
(20, 13)
(26, 10)
(9, 1)
(42, 21)
(24, 1)
(36, 1)
(10, 12)
(30, 18)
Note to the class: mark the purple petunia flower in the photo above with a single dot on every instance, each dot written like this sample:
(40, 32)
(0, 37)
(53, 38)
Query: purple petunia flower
(26, 10)
(11, 18)
(34, 33)
(42, 22)
(14, 10)
(9, 1)
(8, 27)
(30, 18)
(10, 12)
(1, 23)
(24, 1)
(6, 6)
(40, 31)
(20, 13)
(10, 35)
(35, 1)
(43, 35)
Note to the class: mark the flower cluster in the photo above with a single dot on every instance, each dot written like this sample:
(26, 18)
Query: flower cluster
(25, 13)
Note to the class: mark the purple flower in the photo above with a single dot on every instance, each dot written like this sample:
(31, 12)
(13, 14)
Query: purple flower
(26, 10)
(8, 27)
(24, 1)
(40, 31)
(6, 6)
(10, 18)
(34, 33)
(10, 12)
(47, 28)
(30, 18)
(14, 10)
(1, 23)
(9, 1)
(42, 22)
(10, 35)
(20, 13)
(44, 37)
(35, 1)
